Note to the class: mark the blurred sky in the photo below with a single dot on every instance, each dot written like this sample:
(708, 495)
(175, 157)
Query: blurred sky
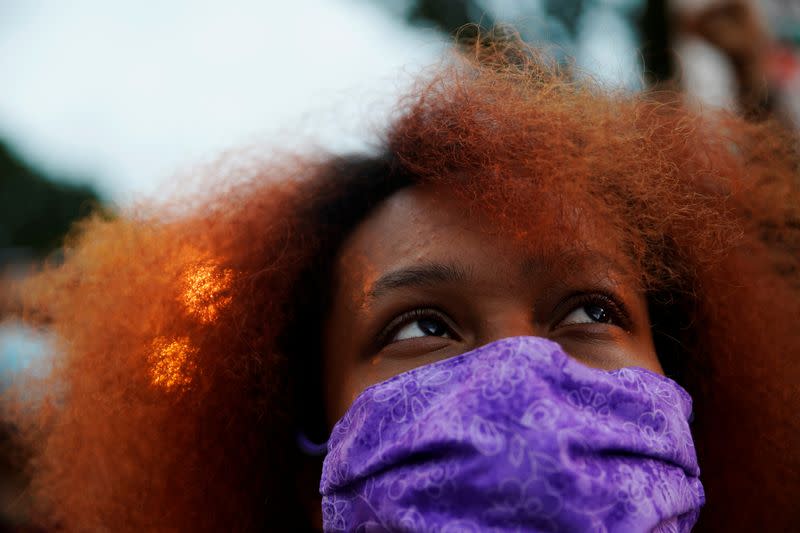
(126, 94)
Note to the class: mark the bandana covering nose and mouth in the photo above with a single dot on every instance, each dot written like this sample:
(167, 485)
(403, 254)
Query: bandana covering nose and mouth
(514, 436)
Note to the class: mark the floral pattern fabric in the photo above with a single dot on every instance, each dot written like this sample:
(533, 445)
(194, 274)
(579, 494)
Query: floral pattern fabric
(515, 436)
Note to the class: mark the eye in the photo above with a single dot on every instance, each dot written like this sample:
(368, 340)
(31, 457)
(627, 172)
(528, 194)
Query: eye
(587, 314)
(596, 309)
(417, 323)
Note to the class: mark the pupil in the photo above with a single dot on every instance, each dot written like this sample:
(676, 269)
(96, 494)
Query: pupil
(431, 327)
(597, 313)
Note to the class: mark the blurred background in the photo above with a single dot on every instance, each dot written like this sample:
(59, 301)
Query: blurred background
(102, 102)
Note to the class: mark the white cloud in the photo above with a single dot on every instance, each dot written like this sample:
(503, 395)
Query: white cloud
(130, 92)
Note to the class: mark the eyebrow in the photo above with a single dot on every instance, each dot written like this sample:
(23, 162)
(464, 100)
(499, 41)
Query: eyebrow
(425, 275)
(432, 274)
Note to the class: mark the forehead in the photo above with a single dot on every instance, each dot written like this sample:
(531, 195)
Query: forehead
(436, 223)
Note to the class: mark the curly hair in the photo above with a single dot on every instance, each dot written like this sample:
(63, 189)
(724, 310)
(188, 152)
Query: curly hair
(189, 355)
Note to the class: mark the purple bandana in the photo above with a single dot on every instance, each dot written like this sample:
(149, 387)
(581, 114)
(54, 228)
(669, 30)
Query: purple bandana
(514, 436)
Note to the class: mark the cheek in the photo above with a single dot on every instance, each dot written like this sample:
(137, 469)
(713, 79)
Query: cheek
(340, 388)
(612, 356)
(636, 351)
(346, 372)
(348, 388)
(362, 374)
(648, 358)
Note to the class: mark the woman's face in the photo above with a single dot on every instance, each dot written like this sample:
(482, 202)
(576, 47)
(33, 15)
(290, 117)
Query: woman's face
(422, 280)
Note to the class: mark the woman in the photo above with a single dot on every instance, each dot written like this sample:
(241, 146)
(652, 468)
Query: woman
(570, 240)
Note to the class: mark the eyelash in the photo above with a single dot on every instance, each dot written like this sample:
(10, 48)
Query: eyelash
(619, 314)
(401, 321)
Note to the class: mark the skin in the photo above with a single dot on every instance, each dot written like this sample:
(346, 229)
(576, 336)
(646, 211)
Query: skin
(422, 279)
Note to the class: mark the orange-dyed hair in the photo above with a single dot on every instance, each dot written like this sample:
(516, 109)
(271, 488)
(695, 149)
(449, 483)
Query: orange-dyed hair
(187, 341)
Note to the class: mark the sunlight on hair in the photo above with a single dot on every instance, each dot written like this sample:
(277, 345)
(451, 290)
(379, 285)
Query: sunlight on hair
(204, 291)
(171, 362)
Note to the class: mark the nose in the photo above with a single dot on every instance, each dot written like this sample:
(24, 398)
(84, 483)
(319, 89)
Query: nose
(509, 323)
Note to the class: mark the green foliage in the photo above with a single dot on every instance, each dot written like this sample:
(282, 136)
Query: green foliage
(35, 212)
(449, 16)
